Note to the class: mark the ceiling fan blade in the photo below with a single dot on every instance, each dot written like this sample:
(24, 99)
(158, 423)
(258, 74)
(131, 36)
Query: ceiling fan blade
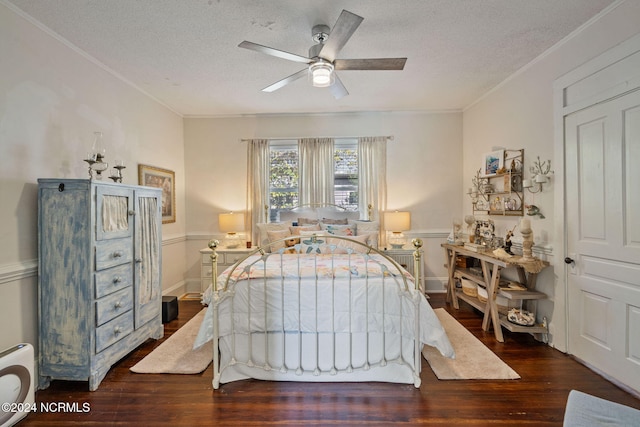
(293, 77)
(370, 64)
(340, 34)
(274, 52)
(337, 88)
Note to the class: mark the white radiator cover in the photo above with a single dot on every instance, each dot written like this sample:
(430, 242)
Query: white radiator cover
(16, 383)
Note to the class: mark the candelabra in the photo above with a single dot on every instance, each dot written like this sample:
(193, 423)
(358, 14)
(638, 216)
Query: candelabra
(116, 172)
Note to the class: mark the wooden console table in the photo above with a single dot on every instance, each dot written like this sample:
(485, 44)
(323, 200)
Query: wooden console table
(491, 267)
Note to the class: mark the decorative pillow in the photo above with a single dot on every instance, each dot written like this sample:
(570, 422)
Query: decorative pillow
(340, 230)
(307, 221)
(264, 227)
(343, 221)
(366, 226)
(296, 230)
(277, 236)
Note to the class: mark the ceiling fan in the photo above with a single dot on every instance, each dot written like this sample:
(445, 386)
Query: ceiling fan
(322, 61)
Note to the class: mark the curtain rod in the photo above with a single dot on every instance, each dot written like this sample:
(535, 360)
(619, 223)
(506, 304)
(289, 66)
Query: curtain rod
(389, 137)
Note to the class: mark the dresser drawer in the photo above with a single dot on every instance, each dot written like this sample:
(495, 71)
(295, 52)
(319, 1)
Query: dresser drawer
(113, 279)
(114, 331)
(110, 253)
(231, 258)
(114, 305)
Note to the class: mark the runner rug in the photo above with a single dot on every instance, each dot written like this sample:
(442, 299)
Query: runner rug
(176, 354)
(473, 359)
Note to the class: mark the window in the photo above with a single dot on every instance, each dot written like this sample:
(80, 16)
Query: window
(283, 178)
(345, 178)
(283, 175)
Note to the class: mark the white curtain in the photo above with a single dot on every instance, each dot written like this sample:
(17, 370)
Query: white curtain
(149, 249)
(258, 165)
(115, 216)
(372, 177)
(316, 171)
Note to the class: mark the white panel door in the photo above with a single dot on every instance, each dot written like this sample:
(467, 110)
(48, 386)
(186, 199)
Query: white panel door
(602, 209)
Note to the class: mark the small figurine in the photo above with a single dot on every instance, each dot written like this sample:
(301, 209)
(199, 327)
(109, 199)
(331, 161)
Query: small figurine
(508, 243)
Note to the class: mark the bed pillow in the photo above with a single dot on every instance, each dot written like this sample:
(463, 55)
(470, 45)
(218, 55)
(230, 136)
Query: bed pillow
(343, 221)
(339, 230)
(307, 221)
(295, 230)
(366, 226)
(264, 227)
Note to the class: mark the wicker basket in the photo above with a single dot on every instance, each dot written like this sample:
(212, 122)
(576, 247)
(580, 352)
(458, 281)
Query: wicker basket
(502, 302)
(482, 294)
(469, 287)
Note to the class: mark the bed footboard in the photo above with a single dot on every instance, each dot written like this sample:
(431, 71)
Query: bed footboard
(327, 309)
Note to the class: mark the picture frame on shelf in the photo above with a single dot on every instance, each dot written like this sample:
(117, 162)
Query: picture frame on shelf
(164, 179)
(493, 162)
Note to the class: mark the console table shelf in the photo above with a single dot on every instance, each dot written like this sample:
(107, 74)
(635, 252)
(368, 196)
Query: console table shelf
(491, 267)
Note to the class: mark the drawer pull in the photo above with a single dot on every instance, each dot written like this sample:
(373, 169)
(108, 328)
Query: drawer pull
(132, 212)
(117, 331)
(117, 305)
(117, 279)
(117, 254)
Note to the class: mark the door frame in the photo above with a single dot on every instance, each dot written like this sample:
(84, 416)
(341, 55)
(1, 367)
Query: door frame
(565, 103)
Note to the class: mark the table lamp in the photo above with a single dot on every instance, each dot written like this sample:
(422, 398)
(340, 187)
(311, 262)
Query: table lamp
(396, 222)
(231, 223)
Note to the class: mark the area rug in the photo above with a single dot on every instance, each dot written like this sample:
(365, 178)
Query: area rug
(176, 354)
(473, 359)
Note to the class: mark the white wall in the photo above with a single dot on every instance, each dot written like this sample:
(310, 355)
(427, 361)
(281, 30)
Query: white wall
(52, 99)
(423, 176)
(520, 114)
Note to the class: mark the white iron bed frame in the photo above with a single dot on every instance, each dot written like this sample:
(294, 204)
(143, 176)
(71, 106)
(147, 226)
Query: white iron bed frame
(388, 349)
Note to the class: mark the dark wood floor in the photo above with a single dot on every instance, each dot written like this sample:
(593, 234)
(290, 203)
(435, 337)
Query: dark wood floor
(538, 398)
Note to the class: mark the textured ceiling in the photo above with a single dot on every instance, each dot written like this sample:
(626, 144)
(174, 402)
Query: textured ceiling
(185, 54)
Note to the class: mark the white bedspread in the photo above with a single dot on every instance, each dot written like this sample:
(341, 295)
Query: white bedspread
(342, 293)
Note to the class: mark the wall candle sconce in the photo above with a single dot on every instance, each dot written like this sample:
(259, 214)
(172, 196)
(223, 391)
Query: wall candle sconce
(540, 172)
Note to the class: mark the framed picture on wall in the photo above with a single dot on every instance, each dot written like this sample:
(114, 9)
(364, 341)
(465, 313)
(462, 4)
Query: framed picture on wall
(165, 179)
(493, 162)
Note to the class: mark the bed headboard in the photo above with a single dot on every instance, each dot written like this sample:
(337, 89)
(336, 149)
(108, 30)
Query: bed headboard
(317, 213)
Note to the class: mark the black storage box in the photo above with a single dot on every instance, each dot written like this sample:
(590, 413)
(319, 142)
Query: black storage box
(169, 308)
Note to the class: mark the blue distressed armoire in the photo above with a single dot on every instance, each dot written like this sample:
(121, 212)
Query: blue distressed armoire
(99, 281)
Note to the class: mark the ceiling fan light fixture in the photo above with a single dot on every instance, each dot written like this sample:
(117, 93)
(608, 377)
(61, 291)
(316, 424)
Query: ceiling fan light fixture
(321, 74)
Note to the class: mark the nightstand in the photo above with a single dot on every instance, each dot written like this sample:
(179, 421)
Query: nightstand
(404, 257)
(226, 258)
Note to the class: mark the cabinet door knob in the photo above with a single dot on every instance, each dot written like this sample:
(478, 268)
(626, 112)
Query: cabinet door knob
(138, 260)
(131, 212)
(568, 260)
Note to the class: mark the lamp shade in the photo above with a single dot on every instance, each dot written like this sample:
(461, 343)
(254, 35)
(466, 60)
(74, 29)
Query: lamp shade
(397, 221)
(231, 222)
